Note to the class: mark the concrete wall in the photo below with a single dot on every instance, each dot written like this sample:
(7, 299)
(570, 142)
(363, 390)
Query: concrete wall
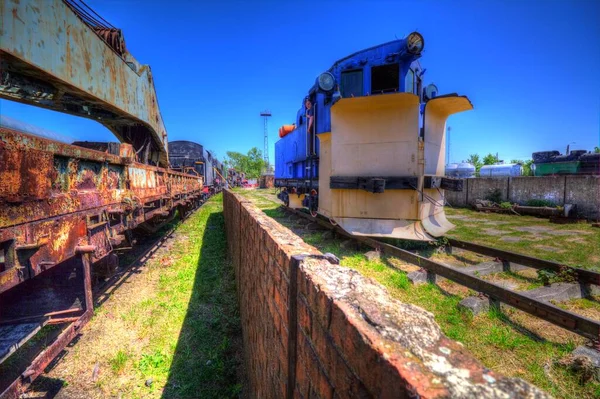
(584, 191)
(312, 329)
(550, 188)
(482, 186)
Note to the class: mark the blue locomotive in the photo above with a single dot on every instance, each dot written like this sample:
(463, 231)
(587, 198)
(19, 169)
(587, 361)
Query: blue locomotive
(367, 148)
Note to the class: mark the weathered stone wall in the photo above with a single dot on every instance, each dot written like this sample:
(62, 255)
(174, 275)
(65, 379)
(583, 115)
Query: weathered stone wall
(481, 187)
(584, 191)
(549, 188)
(312, 329)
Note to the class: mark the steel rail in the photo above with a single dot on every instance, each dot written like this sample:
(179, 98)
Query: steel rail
(573, 322)
(582, 275)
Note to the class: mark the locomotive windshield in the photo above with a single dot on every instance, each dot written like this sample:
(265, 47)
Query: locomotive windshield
(351, 83)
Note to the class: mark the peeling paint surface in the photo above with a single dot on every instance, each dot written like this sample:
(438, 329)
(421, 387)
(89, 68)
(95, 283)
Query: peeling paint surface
(55, 197)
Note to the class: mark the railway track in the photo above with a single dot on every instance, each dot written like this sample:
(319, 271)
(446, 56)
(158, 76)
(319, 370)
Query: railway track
(545, 310)
(100, 294)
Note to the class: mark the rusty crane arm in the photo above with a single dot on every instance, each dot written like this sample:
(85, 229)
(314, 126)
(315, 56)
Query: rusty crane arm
(54, 55)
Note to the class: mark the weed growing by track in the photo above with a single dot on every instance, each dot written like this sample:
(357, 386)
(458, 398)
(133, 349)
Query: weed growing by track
(510, 342)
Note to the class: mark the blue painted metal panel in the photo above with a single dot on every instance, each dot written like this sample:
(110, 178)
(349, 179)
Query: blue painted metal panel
(290, 151)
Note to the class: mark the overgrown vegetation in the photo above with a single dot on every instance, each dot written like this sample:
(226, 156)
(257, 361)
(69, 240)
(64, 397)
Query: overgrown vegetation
(252, 164)
(507, 341)
(494, 195)
(540, 203)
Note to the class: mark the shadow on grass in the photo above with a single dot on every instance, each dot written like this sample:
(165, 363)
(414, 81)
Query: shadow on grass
(208, 355)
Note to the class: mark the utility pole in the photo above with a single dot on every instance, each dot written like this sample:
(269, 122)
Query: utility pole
(448, 146)
(266, 114)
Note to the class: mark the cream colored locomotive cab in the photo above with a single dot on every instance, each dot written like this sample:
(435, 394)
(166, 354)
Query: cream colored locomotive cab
(378, 137)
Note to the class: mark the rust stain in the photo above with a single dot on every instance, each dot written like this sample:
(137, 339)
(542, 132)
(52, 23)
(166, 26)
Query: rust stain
(16, 15)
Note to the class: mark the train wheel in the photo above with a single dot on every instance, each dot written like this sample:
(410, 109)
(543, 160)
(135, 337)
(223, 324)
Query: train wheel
(313, 203)
(286, 199)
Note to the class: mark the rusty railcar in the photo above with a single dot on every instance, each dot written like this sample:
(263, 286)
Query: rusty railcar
(65, 208)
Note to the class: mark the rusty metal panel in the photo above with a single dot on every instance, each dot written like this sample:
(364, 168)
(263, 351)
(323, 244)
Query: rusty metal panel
(56, 197)
(48, 41)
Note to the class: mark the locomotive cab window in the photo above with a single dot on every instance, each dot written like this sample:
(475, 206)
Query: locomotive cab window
(200, 168)
(409, 81)
(351, 83)
(385, 78)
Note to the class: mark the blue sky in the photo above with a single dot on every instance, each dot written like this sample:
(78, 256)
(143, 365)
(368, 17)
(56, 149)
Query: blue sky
(531, 68)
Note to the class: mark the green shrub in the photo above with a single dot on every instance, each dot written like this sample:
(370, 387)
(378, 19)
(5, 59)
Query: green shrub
(540, 203)
(494, 195)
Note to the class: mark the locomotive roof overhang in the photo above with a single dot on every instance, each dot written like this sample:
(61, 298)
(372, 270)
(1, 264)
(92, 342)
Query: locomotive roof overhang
(395, 50)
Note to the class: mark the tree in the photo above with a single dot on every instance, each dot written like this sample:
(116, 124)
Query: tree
(597, 150)
(527, 171)
(490, 159)
(251, 164)
(528, 168)
(475, 161)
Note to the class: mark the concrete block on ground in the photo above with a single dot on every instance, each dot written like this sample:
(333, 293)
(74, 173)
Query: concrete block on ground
(373, 255)
(421, 277)
(592, 355)
(491, 267)
(513, 267)
(557, 292)
(475, 304)
(484, 268)
(592, 289)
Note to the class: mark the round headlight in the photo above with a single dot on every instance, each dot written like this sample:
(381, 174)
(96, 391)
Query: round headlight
(326, 81)
(415, 43)
(431, 91)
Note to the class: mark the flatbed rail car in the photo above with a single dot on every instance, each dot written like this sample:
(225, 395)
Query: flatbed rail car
(64, 208)
(367, 149)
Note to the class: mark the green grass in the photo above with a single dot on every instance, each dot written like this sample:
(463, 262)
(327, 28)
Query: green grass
(184, 322)
(577, 249)
(496, 338)
(119, 361)
(196, 294)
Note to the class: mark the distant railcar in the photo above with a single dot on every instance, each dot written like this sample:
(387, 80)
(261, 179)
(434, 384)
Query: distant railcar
(235, 178)
(367, 147)
(501, 170)
(576, 162)
(189, 156)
